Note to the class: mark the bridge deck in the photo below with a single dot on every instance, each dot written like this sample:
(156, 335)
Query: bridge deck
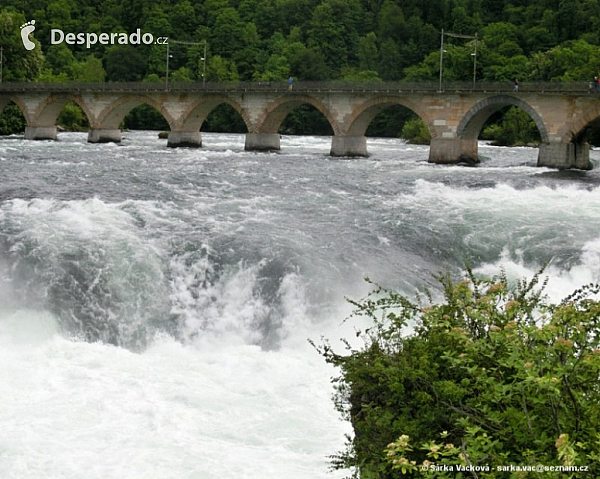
(576, 88)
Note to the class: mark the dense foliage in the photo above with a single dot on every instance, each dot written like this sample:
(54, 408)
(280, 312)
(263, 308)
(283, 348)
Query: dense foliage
(309, 39)
(12, 120)
(513, 127)
(351, 40)
(489, 376)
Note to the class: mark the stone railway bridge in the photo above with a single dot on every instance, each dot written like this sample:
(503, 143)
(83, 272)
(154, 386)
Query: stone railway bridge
(565, 114)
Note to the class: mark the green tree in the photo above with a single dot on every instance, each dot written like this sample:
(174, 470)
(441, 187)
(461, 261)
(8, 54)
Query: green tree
(269, 17)
(46, 76)
(183, 16)
(415, 131)
(514, 128)
(391, 22)
(246, 57)
(538, 39)
(152, 78)
(355, 75)
(145, 117)
(507, 69)
(18, 64)
(332, 32)
(572, 61)
(12, 120)
(182, 74)
(60, 59)
(305, 120)
(464, 22)
(390, 122)
(59, 13)
(227, 36)
(135, 13)
(134, 69)
(276, 69)
(109, 20)
(73, 118)
(368, 53)
(495, 35)
(309, 64)
(224, 119)
(220, 69)
(500, 373)
(159, 25)
(211, 9)
(390, 65)
(569, 21)
(427, 70)
(90, 70)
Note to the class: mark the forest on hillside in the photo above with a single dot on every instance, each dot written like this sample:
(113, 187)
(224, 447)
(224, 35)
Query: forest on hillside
(311, 40)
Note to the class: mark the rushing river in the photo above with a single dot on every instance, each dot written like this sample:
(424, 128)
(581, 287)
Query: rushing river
(155, 303)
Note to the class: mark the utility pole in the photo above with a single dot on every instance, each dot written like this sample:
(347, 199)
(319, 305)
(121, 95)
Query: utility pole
(1, 61)
(167, 76)
(457, 35)
(204, 67)
(441, 61)
(203, 42)
(475, 62)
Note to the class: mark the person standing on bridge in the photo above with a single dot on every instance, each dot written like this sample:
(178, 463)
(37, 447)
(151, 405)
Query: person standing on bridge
(516, 88)
(290, 83)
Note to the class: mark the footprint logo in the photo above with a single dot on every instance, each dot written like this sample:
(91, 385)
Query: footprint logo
(26, 29)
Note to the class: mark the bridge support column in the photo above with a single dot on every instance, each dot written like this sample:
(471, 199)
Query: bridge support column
(348, 146)
(453, 150)
(565, 155)
(104, 135)
(188, 139)
(262, 141)
(40, 132)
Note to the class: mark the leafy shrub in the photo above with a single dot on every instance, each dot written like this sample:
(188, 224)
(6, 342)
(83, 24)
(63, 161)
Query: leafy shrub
(73, 118)
(515, 128)
(12, 120)
(493, 375)
(415, 131)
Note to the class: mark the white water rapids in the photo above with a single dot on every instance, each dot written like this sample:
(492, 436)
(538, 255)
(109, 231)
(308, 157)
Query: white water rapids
(155, 304)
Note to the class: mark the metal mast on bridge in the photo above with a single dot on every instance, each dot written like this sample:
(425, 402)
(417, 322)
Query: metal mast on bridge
(474, 55)
(203, 42)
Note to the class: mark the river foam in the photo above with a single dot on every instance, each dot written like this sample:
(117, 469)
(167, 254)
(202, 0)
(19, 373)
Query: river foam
(155, 303)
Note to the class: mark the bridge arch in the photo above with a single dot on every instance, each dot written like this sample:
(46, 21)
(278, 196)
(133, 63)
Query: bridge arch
(272, 117)
(581, 127)
(363, 115)
(48, 110)
(7, 100)
(111, 117)
(472, 122)
(194, 116)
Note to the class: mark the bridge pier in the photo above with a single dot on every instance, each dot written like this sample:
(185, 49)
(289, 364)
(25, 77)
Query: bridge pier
(186, 139)
(565, 155)
(40, 132)
(262, 141)
(453, 150)
(104, 135)
(348, 145)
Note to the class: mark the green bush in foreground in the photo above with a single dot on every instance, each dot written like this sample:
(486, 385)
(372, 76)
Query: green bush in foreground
(491, 376)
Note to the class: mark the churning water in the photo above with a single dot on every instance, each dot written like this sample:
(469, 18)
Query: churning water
(155, 303)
